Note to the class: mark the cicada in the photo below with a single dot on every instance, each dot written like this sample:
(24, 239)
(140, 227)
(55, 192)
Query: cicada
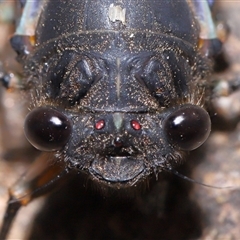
(118, 91)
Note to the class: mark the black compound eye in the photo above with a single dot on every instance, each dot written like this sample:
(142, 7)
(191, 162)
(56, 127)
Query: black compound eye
(47, 129)
(188, 127)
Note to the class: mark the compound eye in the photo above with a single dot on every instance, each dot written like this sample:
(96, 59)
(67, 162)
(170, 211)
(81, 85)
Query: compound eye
(188, 127)
(47, 129)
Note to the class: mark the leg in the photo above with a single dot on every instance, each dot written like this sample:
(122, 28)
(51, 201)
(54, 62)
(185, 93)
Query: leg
(211, 37)
(41, 178)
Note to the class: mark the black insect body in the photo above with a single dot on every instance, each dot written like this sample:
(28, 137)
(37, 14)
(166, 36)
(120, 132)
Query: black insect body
(117, 88)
